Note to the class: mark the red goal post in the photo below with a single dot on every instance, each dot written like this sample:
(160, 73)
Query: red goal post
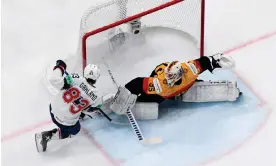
(184, 15)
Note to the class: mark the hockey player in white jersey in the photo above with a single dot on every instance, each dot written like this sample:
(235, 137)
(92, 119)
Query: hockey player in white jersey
(77, 95)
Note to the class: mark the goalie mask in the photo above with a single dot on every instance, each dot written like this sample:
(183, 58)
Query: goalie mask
(91, 73)
(173, 72)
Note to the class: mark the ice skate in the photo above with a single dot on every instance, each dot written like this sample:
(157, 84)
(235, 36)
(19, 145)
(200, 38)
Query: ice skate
(42, 139)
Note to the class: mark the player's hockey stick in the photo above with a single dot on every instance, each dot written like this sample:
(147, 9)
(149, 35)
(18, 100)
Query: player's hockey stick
(108, 118)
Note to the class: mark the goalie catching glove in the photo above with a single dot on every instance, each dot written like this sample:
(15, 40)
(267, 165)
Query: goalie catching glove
(221, 61)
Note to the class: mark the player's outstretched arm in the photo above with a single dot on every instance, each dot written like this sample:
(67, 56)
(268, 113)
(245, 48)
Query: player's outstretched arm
(56, 78)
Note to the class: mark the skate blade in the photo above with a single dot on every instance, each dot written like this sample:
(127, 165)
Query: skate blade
(37, 142)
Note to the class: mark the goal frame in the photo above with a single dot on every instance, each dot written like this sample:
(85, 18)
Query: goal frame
(136, 16)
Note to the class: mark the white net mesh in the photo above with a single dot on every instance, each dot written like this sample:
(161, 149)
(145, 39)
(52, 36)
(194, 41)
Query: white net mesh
(101, 24)
(185, 16)
(182, 15)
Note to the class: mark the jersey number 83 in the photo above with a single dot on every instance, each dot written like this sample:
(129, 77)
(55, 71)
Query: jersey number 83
(73, 97)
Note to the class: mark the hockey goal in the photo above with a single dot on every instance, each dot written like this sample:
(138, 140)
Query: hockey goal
(112, 21)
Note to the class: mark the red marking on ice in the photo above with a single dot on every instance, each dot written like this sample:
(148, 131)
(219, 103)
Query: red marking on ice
(236, 48)
(250, 42)
(256, 93)
(100, 148)
(249, 86)
(24, 130)
(241, 144)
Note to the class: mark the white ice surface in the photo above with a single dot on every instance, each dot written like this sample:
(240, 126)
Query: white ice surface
(36, 33)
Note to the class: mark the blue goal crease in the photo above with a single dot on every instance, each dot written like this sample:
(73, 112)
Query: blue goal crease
(191, 132)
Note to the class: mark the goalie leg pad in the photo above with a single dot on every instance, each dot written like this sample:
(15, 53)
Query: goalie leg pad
(123, 101)
(145, 111)
(211, 91)
(106, 102)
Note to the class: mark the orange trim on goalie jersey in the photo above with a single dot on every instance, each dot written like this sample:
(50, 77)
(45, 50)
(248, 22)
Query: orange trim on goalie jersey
(198, 66)
(180, 91)
(145, 84)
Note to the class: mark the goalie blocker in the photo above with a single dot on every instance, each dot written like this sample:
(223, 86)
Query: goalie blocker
(124, 101)
(122, 104)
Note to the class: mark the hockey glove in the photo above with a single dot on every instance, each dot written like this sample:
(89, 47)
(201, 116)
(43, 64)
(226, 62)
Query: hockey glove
(61, 65)
(219, 61)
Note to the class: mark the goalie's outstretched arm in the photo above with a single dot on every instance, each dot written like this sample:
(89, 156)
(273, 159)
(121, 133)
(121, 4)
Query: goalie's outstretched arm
(217, 61)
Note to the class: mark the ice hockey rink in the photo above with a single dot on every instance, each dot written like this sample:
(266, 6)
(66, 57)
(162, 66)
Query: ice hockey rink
(37, 33)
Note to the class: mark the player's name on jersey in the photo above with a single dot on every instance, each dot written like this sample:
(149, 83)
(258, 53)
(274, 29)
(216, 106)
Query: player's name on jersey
(91, 94)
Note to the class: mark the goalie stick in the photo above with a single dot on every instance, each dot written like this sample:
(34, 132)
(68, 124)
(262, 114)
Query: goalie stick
(132, 120)
(137, 131)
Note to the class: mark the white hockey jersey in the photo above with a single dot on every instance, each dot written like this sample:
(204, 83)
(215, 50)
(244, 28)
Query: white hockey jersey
(68, 104)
